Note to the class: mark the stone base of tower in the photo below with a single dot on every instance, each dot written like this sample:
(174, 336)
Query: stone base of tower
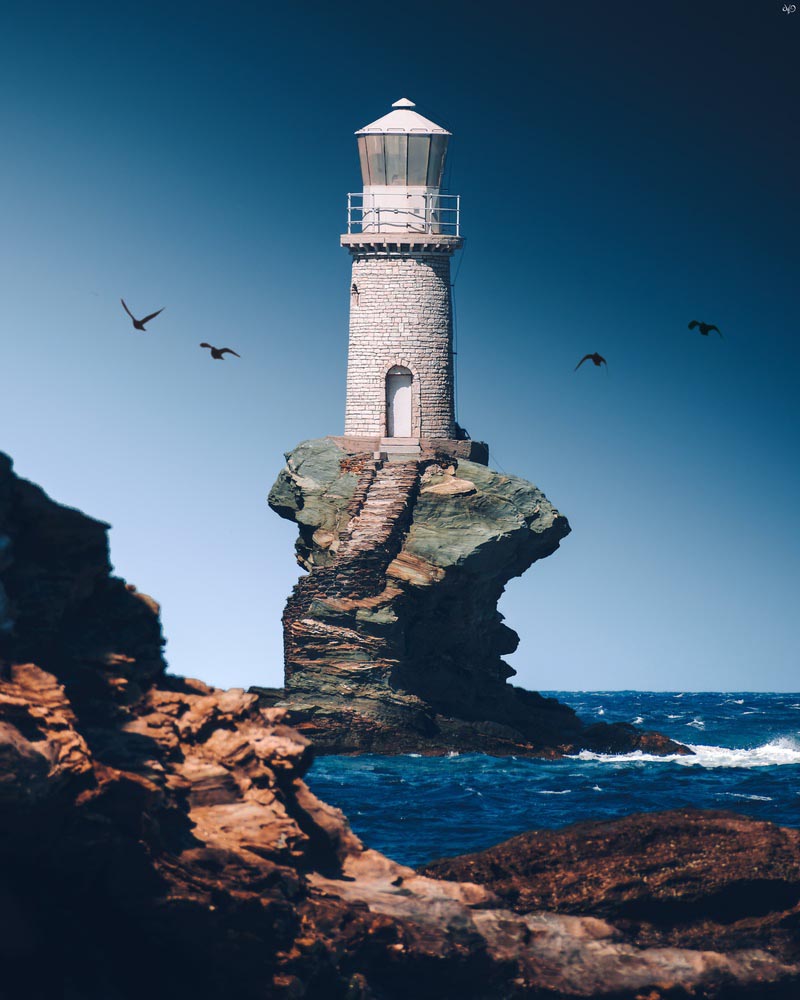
(393, 641)
(425, 448)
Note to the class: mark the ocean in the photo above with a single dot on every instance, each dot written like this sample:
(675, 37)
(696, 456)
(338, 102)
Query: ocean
(415, 809)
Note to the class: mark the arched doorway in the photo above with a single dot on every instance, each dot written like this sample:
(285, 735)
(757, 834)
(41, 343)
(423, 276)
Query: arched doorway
(398, 402)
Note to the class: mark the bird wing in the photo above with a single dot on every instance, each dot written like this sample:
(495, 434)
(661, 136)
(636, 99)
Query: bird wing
(715, 328)
(693, 324)
(153, 315)
(127, 310)
(602, 360)
(227, 350)
(586, 357)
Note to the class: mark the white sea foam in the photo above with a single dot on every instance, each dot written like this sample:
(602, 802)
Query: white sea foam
(596, 788)
(697, 723)
(751, 798)
(565, 791)
(673, 717)
(638, 720)
(601, 711)
(780, 751)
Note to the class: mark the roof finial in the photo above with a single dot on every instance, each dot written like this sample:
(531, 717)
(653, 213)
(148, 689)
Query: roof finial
(404, 103)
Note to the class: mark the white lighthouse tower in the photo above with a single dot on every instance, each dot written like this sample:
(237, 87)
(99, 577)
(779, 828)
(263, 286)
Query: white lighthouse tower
(401, 234)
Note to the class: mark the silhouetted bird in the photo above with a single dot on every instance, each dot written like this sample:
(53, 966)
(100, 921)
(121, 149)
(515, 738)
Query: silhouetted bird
(705, 328)
(596, 359)
(138, 324)
(217, 352)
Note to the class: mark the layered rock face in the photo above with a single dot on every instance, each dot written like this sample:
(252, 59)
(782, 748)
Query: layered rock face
(157, 839)
(393, 641)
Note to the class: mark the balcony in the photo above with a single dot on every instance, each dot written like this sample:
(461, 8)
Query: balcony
(398, 214)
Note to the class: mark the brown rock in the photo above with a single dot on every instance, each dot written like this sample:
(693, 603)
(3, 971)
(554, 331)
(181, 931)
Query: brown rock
(687, 878)
(451, 486)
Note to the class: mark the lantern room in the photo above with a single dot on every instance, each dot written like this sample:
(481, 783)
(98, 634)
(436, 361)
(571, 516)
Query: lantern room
(402, 159)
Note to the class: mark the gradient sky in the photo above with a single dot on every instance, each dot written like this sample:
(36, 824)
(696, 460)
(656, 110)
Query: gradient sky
(623, 168)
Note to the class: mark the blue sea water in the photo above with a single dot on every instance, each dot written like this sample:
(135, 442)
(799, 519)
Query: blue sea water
(747, 759)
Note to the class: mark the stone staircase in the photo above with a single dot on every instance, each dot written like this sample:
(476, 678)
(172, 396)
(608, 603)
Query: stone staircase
(380, 512)
(386, 498)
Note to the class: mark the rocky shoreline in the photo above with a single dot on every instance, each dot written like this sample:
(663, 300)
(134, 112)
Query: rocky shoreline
(685, 878)
(158, 839)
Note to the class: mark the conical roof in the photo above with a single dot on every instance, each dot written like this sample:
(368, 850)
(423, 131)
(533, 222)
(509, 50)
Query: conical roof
(403, 119)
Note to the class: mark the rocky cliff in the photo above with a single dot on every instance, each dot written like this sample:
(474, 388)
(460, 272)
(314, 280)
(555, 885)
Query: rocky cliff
(157, 838)
(393, 641)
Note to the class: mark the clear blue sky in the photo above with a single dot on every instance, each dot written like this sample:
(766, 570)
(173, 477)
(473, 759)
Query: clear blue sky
(624, 168)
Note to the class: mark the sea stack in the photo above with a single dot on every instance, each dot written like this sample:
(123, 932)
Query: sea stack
(393, 641)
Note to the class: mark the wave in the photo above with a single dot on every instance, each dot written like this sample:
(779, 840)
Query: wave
(777, 752)
(697, 723)
(565, 791)
(750, 798)
(638, 721)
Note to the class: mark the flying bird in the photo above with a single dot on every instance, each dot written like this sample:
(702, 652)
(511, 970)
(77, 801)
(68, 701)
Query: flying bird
(138, 324)
(217, 352)
(705, 328)
(596, 359)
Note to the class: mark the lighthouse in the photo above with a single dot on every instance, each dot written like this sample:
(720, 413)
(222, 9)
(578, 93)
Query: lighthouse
(402, 231)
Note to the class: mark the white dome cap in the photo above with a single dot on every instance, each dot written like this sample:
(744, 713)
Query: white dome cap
(403, 120)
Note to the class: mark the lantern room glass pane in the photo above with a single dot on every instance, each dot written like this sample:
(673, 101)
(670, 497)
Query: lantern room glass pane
(418, 148)
(396, 156)
(362, 155)
(436, 163)
(377, 159)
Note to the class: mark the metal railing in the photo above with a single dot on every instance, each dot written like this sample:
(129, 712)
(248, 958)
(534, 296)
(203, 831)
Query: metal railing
(439, 214)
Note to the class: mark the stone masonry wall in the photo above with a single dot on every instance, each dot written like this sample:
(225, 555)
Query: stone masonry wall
(401, 315)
